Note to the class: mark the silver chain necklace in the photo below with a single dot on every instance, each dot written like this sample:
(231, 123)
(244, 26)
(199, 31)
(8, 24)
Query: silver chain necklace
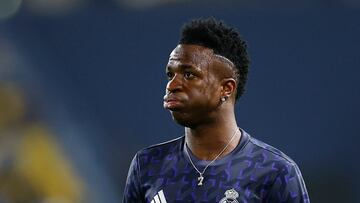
(201, 177)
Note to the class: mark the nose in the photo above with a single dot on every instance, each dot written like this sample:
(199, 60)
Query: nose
(174, 84)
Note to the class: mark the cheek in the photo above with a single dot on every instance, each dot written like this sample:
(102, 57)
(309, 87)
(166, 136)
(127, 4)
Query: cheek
(212, 87)
(212, 90)
(208, 95)
(214, 96)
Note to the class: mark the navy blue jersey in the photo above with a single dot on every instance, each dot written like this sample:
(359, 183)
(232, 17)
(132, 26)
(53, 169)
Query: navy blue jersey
(252, 172)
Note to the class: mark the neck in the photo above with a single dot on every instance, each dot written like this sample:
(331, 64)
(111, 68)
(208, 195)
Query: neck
(206, 141)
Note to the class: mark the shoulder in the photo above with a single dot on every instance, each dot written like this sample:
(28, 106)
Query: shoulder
(162, 149)
(266, 154)
(270, 150)
(287, 184)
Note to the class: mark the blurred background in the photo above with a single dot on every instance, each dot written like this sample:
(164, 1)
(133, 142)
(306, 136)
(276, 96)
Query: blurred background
(82, 81)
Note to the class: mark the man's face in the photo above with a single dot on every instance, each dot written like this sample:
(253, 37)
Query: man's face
(194, 89)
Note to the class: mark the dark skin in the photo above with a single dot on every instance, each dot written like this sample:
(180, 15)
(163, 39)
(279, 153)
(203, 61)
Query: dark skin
(197, 80)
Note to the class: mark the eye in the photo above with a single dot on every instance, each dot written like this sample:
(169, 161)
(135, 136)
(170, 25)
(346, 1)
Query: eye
(169, 75)
(188, 75)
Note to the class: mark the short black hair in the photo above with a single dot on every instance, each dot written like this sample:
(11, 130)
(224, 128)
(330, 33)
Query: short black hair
(223, 40)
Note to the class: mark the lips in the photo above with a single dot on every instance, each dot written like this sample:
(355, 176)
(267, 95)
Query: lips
(172, 102)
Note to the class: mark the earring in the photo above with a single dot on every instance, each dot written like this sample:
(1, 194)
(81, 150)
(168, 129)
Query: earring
(223, 99)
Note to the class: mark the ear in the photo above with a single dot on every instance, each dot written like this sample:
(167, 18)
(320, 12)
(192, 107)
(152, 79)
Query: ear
(228, 87)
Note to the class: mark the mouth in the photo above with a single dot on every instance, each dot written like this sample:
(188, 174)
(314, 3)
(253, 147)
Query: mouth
(172, 103)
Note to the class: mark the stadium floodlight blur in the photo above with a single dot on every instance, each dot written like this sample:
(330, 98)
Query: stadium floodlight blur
(8, 8)
(53, 7)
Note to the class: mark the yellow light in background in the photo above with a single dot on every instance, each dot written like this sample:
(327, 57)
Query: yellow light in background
(8, 8)
(41, 161)
(12, 105)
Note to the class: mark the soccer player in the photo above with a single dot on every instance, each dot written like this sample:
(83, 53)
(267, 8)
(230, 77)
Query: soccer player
(215, 161)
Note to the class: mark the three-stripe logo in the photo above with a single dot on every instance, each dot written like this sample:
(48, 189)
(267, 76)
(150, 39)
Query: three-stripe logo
(159, 198)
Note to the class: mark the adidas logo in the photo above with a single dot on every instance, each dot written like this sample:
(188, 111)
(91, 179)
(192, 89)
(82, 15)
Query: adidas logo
(159, 198)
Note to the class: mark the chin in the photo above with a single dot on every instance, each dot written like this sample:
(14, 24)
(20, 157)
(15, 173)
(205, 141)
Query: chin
(183, 119)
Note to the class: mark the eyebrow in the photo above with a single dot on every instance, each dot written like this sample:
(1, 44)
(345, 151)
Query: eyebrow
(183, 67)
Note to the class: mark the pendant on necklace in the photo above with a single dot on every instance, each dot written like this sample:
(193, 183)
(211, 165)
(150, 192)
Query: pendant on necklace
(200, 179)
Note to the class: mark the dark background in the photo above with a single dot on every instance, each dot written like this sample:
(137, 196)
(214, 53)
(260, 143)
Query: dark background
(93, 71)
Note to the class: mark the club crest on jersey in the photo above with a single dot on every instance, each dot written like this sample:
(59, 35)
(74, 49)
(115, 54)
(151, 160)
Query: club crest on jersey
(230, 196)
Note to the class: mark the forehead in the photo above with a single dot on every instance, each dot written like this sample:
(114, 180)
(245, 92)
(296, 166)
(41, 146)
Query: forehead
(195, 55)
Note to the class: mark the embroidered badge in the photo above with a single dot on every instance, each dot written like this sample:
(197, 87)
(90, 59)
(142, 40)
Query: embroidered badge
(230, 196)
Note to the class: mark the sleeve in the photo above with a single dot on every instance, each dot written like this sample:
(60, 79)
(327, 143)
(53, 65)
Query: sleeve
(289, 187)
(132, 191)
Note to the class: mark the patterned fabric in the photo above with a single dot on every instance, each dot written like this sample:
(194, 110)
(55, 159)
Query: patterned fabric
(253, 172)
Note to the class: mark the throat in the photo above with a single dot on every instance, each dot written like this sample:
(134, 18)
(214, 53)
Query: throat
(210, 147)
